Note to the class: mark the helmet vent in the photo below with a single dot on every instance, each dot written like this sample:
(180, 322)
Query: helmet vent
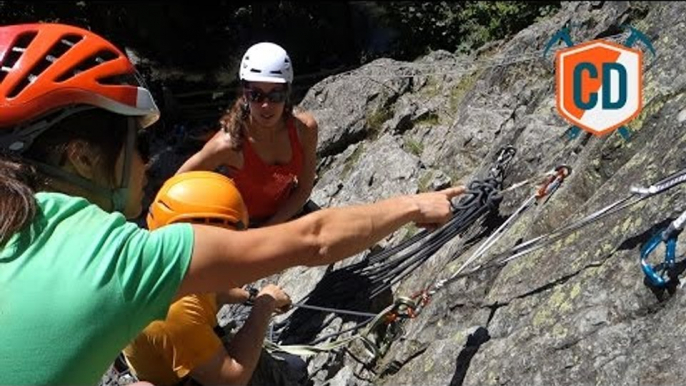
(57, 50)
(62, 46)
(276, 72)
(92, 61)
(165, 205)
(210, 221)
(117, 80)
(255, 70)
(15, 52)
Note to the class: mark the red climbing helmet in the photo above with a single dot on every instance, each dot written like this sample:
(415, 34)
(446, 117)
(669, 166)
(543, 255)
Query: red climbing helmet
(50, 67)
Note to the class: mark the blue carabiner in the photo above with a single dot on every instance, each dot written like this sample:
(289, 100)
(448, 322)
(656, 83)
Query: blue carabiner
(651, 272)
(669, 236)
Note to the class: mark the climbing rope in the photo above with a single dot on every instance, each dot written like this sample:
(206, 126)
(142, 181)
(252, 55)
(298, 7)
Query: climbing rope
(553, 182)
(385, 324)
(382, 270)
(390, 315)
(406, 308)
(637, 194)
(389, 267)
(385, 269)
(556, 179)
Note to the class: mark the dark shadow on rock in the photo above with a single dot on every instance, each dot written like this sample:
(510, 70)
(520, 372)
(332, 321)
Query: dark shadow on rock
(492, 221)
(351, 288)
(643, 237)
(673, 281)
(474, 342)
(340, 289)
(661, 293)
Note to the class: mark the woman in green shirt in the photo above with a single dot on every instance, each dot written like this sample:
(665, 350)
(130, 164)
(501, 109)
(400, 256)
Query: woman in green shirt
(77, 280)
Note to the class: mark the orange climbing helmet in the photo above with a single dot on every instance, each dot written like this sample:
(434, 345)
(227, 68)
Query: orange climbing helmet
(199, 197)
(47, 67)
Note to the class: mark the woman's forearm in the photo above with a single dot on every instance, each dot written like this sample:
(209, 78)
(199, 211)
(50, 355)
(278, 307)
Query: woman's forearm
(223, 259)
(246, 345)
(196, 162)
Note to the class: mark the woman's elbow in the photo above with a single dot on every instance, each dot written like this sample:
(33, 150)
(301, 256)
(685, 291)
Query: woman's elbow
(235, 374)
(306, 233)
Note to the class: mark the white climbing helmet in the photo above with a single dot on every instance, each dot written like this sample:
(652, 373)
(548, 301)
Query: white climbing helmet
(266, 62)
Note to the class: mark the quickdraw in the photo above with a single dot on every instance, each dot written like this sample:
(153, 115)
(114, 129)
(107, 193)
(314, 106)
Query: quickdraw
(385, 326)
(637, 195)
(554, 181)
(659, 275)
(389, 327)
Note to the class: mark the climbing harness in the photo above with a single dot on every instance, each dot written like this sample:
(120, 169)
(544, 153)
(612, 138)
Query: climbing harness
(656, 274)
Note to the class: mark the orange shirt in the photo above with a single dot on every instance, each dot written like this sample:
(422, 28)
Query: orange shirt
(265, 187)
(166, 351)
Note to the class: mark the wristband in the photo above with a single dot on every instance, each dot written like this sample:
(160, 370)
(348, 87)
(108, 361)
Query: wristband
(251, 297)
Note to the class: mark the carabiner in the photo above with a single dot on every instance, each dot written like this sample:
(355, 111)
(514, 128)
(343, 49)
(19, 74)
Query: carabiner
(669, 237)
(651, 272)
(560, 173)
(402, 308)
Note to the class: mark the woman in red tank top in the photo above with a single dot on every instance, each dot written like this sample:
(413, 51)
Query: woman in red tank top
(267, 149)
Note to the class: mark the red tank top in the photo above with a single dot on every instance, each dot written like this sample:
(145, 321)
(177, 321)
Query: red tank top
(265, 187)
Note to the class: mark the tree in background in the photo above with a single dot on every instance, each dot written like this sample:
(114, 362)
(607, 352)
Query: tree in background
(324, 35)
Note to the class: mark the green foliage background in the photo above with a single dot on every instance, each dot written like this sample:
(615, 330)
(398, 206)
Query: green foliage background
(325, 35)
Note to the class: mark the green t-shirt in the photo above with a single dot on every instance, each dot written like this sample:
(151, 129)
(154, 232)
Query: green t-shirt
(77, 285)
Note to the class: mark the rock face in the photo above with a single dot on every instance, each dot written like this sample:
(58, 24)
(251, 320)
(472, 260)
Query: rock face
(576, 312)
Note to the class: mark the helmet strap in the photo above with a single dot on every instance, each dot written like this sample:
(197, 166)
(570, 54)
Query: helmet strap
(21, 138)
(118, 197)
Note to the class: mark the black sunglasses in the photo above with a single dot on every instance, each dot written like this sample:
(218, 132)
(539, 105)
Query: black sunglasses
(274, 96)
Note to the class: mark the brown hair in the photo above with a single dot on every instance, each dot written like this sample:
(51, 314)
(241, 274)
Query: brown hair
(104, 132)
(18, 183)
(234, 118)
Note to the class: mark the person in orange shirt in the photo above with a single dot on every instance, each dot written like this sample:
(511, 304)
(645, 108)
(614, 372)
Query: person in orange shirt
(267, 149)
(185, 346)
(71, 106)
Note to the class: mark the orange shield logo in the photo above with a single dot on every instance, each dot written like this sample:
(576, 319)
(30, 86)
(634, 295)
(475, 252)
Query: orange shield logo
(599, 85)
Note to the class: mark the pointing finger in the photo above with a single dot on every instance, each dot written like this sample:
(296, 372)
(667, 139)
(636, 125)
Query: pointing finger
(454, 191)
